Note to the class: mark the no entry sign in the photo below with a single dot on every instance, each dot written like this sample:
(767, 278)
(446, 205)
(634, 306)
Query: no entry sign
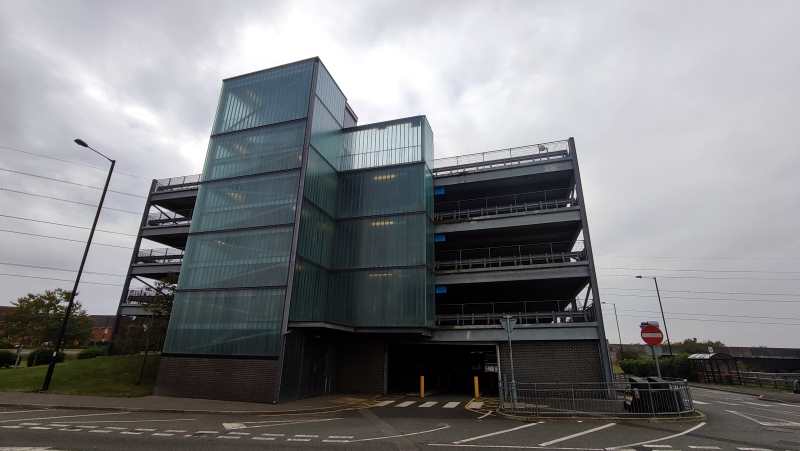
(652, 335)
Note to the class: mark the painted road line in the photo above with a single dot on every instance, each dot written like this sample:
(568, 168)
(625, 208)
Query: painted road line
(290, 423)
(11, 427)
(702, 403)
(657, 446)
(444, 426)
(162, 434)
(307, 435)
(427, 404)
(263, 438)
(30, 424)
(66, 416)
(759, 404)
(100, 431)
(58, 425)
(130, 433)
(405, 403)
(383, 404)
(230, 437)
(787, 404)
(298, 439)
(207, 432)
(475, 404)
(175, 430)
(69, 430)
(780, 421)
(238, 433)
(340, 436)
(704, 447)
(135, 421)
(754, 449)
(145, 429)
(691, 429)
(328, 440)
(729, 403)
(274, 435)
(23, 411)
(40, 428)
(478, 437)
(578, 434)
(451, 404)
(116, 428)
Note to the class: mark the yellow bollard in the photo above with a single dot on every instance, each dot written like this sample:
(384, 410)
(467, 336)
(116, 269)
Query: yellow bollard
(477, 388)
(422, 387)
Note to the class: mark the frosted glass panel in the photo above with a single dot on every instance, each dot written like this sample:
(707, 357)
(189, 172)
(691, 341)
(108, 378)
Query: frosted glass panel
(231, 322)
(250, 258)
(248, 202)
(385, 144)
(310, 294)
(396, 189)
(330, 94)
(265, 97)
(255, 151)
(316, 236)
(385, 297)
(321, 182)
(381, 241)
(326, 134)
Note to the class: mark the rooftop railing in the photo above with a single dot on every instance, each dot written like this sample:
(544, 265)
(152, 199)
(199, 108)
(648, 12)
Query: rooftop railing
(495, 159)
(490, 313)
(159, 218)
(178, 183)
(510, 256)
(509, 204)
(159, 256)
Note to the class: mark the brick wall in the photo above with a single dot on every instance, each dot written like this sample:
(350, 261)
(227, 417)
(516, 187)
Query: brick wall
(229, 379)
(553, 361)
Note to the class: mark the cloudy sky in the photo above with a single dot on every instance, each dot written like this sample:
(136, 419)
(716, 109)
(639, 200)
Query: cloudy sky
(684, 114)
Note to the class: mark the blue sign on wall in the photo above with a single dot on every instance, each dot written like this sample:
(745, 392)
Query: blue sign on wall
(438, 191)
(441, 289)
(439, 238)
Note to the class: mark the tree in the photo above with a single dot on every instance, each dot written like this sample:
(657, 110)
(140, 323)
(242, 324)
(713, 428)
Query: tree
(37, 318)
(693, 346)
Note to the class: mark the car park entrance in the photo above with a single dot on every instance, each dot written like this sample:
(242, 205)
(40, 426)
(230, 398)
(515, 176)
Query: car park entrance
(447, 369)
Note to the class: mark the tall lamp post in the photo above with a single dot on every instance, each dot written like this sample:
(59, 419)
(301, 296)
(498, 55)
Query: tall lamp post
(619, 334)
(661, 307)
(52, 366)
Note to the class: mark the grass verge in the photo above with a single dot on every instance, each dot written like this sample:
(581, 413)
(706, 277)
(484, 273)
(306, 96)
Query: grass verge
(101, 376)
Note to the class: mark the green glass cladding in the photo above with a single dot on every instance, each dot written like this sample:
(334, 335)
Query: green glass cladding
(382, 241)
(249, 258)
(394, 189)
(330, 94)
(383, 144)
(234, 275)
(249, 152)
(263, 98)
(384, 298)
(248, 202)
(231, 322)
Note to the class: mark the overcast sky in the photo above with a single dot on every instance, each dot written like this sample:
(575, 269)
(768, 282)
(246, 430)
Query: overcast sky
(684, 114)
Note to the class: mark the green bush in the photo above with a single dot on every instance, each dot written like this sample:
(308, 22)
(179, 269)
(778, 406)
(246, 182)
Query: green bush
(42, 357)
(674, 367)
(92, 352)
(7, 359)
(5, 344)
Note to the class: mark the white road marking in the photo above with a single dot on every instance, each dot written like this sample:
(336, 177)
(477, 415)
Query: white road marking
(101, 431)
(657, 446)
(230, 437)
(790, 405)
(238, 433)
(383, 404)
(729, 403)
(778, 423)
(405, 403)
(475, 404)
(691, 429)
(116, 428)
(702, 403)
(274, 435)
(23, 411)
(704, 447)
(70, 430)
(57, 425)
(30, 424)
(162, 434)
(66, 416)
(486, 415)
(427, 404)
(578, 434)
(175, 430)
(340, 436)
(11, 427)
(298, 439)
(477, 437)
(306, 435)
(145, 429)
(263, 438)
(40, 428)
(451, 404)
(327, 440)
(759, 404)
(754, 449)
(402, 435)
(134, 421)
(207, 432)
(290, 423)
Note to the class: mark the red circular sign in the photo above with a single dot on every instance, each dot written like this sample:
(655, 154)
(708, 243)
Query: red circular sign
(652, 335)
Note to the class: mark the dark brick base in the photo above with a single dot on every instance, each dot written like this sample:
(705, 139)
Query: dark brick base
(228, 379)
(553, 361)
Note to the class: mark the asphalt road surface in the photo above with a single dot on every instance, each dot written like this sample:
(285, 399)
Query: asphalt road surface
(733, 422)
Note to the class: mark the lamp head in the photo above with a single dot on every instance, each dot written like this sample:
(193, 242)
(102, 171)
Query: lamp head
(81, 142)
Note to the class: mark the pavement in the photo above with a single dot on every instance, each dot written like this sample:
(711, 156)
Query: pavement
(765, 394)
(732, 421)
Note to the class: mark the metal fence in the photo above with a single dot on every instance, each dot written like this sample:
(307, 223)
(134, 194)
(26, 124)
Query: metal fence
(509, 256)
(649, 398)
(159, 218)
(530, 318)
(499, 158)
(780, 381)
(176, 183)
(161, 255)
(462, 210)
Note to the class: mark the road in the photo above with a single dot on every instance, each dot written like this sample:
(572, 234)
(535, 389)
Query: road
(733, 422)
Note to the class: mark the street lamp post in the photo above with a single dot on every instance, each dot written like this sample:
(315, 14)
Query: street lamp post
(661, 307)
(60, 340)
(619, 334)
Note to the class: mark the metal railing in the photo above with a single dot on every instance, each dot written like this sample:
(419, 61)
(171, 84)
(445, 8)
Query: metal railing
(161, 256)
(647, 398)
(531, 318)
(463, 210)
(780, 381)
(510, 256)
(159, 218)
(178, 183)
(494, 159)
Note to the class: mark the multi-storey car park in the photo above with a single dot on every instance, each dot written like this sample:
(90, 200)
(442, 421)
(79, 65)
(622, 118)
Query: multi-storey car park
(314, 255)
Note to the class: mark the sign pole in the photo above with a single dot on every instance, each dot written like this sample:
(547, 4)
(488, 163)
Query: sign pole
(658, 366)
(508, 324)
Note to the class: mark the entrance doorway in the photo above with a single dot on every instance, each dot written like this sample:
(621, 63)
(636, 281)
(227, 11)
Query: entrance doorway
(448, 369)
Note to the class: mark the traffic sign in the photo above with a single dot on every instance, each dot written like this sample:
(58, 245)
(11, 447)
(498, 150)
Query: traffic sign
(652, 335)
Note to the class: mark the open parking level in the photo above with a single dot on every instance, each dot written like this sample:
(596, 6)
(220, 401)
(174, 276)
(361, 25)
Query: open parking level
(733, 422)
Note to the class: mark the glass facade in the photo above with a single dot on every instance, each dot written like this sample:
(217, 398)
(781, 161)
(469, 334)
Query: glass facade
(364, 254)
